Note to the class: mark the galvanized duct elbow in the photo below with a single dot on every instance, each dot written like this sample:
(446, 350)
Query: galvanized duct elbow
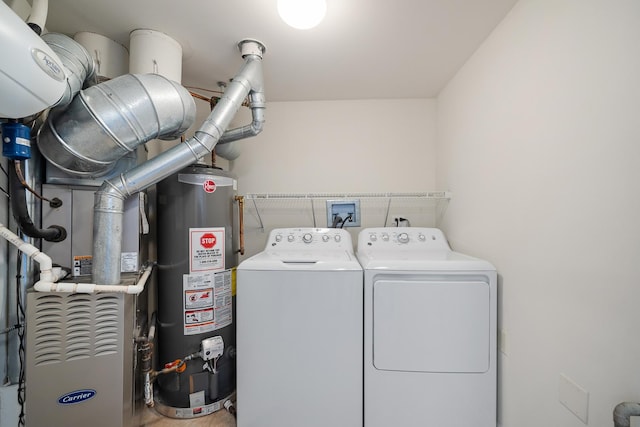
(623, 412)
(225, 147)
(77, 62)
(109, 199)
(105, 122)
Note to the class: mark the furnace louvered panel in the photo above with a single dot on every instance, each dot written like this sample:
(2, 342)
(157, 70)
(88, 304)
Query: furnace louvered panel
(69, 327)
(80, 342)
(48, 329)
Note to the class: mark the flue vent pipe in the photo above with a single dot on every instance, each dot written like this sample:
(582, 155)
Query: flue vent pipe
(109, 199)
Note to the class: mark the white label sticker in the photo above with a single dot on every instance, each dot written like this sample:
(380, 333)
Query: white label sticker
(223, 309)
(23, 141)
(207, 302)
(206, 249)
(128, 262)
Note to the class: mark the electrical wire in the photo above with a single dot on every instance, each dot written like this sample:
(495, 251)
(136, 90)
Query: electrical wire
(21, 335)
(7, 174)
(4, 170)
(11, 328)
(24, 182)
(345, 220)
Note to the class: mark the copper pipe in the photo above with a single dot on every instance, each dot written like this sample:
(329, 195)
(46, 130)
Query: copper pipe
(240, 200)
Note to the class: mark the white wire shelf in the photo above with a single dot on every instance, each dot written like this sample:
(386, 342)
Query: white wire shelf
(435, 195)
(381, 202)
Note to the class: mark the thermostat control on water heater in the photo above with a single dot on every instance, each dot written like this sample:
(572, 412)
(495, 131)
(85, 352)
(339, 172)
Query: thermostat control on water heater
(212, 348)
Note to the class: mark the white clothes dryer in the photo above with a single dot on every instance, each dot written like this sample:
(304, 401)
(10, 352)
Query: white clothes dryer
(299, 332)
(429, 331)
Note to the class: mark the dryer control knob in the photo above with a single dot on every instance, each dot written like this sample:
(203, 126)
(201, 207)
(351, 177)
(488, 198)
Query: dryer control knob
(325, 238)
(385, 237)
(403, 238)
(291, 238)
(421, 237)
(278, 237)
(373, 237)
(307, 238)
(337, 238)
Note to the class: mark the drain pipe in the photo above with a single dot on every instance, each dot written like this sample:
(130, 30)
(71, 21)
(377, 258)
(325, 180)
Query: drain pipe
(49, 274)
(109, 199)
(623, 412)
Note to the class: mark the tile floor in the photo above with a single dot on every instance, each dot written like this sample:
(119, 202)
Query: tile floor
(221, 418)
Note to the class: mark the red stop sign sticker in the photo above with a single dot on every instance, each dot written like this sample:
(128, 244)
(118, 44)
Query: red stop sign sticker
(208, 240)
(209, 186)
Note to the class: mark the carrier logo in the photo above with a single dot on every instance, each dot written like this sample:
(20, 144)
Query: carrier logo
(77, 396)
(209, 186)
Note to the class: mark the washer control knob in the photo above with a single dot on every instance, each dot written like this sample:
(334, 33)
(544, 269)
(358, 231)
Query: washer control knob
(278, 237)
(403, 238)
(291, 238)
(307, 238)
(421, 237)
(337, 238)
(373, 237)
(325, 238)
(385, 237)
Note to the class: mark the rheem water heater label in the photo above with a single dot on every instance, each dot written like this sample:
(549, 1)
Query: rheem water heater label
(207, 301)
(206, 249)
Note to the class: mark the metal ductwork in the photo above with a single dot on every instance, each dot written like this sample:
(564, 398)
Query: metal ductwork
(109, 199)
(77, 62)
(107, 121)
(225, 147)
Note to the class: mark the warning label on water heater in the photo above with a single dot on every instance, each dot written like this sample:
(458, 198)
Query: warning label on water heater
(207, 301)
(206, 249)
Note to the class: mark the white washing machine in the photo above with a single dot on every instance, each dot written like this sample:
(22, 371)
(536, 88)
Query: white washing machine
(429, 331)
(299, 332)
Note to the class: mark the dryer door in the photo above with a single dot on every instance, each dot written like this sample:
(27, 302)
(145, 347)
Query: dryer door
(423, 325)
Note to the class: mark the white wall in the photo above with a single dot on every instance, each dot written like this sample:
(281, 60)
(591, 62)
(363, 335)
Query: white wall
(539, 142)
(336, 147)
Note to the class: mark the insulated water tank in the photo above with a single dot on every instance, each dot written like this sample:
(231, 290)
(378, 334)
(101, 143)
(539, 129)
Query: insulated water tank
(197, 256)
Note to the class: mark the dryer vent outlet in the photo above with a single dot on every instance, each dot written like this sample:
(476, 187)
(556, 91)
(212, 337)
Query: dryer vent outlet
(343, 213)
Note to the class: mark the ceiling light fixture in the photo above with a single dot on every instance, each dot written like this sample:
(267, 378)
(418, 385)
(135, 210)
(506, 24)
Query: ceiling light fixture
(302, 14)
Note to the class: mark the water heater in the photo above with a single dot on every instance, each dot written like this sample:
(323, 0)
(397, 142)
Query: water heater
(197, 256)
